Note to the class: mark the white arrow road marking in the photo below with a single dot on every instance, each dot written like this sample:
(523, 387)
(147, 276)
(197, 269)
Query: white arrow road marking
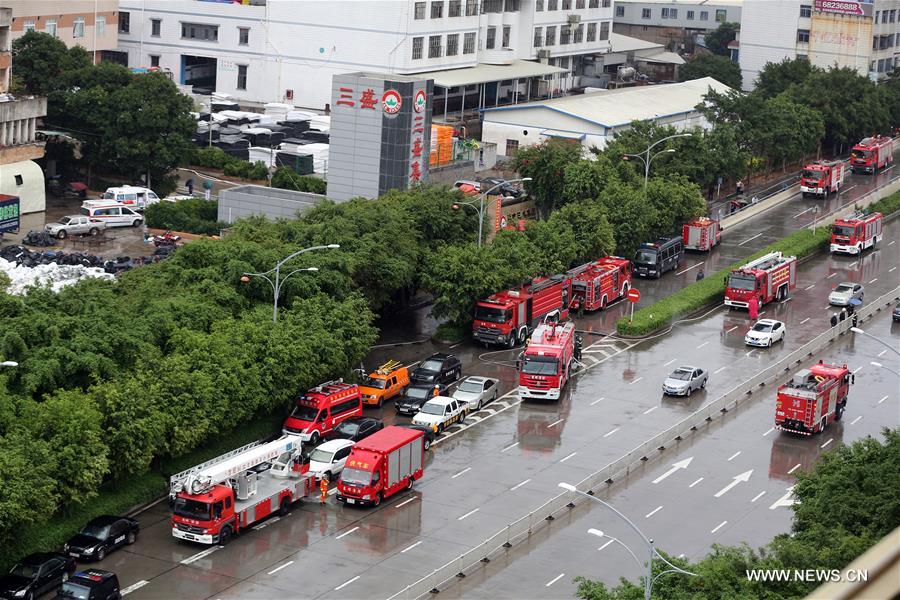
(745, 476)
(786, 500)
(682, 464)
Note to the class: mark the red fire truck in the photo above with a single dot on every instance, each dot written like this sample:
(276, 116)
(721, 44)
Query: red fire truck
(507, 318)
(548, 360)
(769, 277)
(872, 154)
(381, 465)
(821, 178)
(856, 233)
(220, 498)
(701, 233)
(599, 283)
(322, 408)
(812, 399)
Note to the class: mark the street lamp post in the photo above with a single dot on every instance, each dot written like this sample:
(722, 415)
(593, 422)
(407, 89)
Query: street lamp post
(645, 157)
(881, 366)
(481, 197)
(877, 339)
(649, 579)
(279, 280)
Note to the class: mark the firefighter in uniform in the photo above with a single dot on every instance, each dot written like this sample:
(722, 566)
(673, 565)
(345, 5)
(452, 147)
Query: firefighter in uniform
(323, 487)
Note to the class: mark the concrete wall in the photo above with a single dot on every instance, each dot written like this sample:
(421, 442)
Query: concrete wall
(31, 191)
(634, 14)
(249, 200)
(64, 12)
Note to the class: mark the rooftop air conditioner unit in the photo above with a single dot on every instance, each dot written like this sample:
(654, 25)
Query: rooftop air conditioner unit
(574, 19)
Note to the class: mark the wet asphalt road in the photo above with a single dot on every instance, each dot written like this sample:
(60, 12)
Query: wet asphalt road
(507, 459)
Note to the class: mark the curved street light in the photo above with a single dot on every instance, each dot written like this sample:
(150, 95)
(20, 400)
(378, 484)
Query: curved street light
(480, 208)
(877, 339)
(645, 157)
(649, 579)
(881, 366)
(279, 281)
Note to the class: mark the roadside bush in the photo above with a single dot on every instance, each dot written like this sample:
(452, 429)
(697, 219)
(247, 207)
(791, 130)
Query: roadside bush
(887, 205)
(212, 157)
(287, 179)
(192, 216)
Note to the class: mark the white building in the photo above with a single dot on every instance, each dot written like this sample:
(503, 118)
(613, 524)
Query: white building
(288, 50)
(673, 22)
(862, 35)
(595, 118)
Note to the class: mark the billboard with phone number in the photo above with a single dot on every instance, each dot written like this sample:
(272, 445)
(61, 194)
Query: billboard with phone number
(9, 213)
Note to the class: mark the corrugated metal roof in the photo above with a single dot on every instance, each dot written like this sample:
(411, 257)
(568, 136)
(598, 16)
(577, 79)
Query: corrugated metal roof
(486, 73)
(623, 43)
(613, 108)
(668, 58)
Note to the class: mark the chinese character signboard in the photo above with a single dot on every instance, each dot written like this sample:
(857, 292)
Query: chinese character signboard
(844, 7)
(380, 134)
(9, 213)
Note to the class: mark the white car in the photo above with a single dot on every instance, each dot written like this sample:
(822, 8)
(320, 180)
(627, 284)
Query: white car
(845, 292)
(684, 380)
(440, 412)
(329, 458)
(765, 333)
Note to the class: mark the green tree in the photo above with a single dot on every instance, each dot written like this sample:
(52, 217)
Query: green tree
(775, 78)
(545, 164)
(632, 218)
(717, 41)
(585, 179)
(593, 233)
(42, 62)
(720, 68)
(785, 131)
(673, 201)
(28, 493)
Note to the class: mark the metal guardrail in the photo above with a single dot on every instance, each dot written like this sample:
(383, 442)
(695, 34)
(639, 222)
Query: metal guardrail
(652, 448)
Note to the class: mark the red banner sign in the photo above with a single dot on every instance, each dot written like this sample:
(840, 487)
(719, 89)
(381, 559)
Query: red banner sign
(844, 7)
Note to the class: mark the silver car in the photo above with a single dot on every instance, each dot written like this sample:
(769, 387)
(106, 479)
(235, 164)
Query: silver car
(74, 225)
(684, 380)
(845, 292)
(477, 391)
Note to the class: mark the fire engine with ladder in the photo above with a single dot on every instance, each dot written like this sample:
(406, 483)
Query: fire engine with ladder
(508, 317)
(814, 398)
(821, 178)
(221, 497)
(769, 277)
(549, 360)
(597, 284)
(701, 234)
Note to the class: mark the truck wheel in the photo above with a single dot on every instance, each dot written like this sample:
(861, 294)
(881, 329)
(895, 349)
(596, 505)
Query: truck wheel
(225, 536)
(511, 342)
(409, 484)
(427, 444)
(136, 223)
(462, 418)
(838, 412)
(377, 499)
(285, 506)
(93, 232)
(520, 338)
(61, 234)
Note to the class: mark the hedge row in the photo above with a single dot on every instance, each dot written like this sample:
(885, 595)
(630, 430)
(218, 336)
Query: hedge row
(711, 289)
(192, 216)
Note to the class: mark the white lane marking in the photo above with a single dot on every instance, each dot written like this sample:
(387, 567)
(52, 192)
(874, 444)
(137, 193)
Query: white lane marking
(554, 580)
(785, 500)
(134, 586)
(200, 555)
(669, 363)
(803, 213)
(555, 423)
(726, 331)
(696, 482)
(605, 545)
(408, 548)
(463, 472)
(276, 569)
(332, 491)
(874, 280)
(274, 519)
(751, 352)
(794, 468)
(854, 421)
(635, 381)
(845, 190)
(758, 496)
(830, 276)
(826, 443)
(518, 485)
(405, 502)
(597, 400)
(882, 400)
(881, 353)
(653, 512)
(346, 583)
(650, 410)
(891, 270)
(348, 532)
(891, 243)
(809, 287)
(771, 429)
(718, 527)
(457, 344)
(681, 555)
(701, 345)
(719, 370)
(510, 447)
(853, 264)
(804, 320)
(568, 457)
(468, 514)
(750, 239)
(762, 312)
(857, 369)
(689, 268)
(735, 455)
(611, 432)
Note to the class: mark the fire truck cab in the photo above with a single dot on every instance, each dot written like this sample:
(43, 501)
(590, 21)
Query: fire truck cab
(508, 317)
(597, 284)
(871, 154)
(322, 408)
(813, 398)
(769, 277)
(821, 178)
(856, 233)
(548, 361)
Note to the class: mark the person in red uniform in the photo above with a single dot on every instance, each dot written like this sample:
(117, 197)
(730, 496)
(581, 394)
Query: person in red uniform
(323, 487)
(753, 308)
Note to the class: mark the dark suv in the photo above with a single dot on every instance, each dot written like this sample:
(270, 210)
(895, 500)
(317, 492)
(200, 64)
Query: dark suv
(439, 369)
(93, 584)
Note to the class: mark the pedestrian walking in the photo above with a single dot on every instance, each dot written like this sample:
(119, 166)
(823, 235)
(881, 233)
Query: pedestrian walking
(739, 188)
(753, 308)
(190, 186)
(843, 314)
(855, 320)
(323, 487)
(834, 320)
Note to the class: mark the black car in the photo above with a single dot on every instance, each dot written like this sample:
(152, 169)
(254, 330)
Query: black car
(36, 574)
(438, 369)
(356, 428)
(503, 186)
(428, 431)
(895, 315)
(93, 584)
(413, 398)
(102, 535)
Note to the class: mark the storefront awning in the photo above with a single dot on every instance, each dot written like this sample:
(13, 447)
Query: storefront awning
(519, 69)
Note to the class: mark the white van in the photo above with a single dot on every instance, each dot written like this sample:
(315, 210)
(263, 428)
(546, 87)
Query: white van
(137, 198)
(114, 214)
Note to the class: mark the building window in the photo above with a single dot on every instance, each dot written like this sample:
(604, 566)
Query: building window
(242, 77)
(196, 31)
(471, 11)
(721, 15)
(434, 46)
(805, 11)
(453, 44)
(579, 4)
(78, 27)
(550, 38)
(507, 31)
(154, 60)
(19, 179)
(803, 36)
(100, 25)
(592, 32)
(124, 22)
(538, 5)
(455, 9)
(538, 37)
(491, 39)
(437, 10)
(243, 36)
(645, 13)
(565, 34)
(552, 4)
(620, 10)
(704, 15)
(607, 3)
(491, 6)
(594, 4)
(510, 5)
(511, 147)
(669, 13)
(567, 4)
(469, 43)
(893, 14)
(155, 27)
(50, 27)
(579, 34)
(419, 11)
(604, 30)
(417, 48)
(664, 13)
